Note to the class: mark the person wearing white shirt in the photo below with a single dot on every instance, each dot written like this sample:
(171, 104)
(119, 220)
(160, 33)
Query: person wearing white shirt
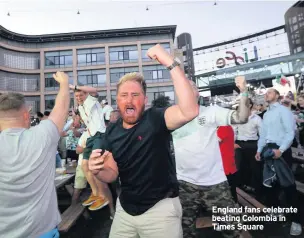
(91, 114)
(247, 135)
(106, 110)
(199, 165)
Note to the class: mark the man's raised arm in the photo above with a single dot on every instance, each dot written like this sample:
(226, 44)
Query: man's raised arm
(62, 103)
(241, 115)
(86, 89)
(187, 108)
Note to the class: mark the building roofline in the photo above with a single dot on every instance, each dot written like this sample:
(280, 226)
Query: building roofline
(74, 36)
(240, 38)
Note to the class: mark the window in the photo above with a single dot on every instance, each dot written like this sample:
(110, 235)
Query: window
(52, 85)
(59, 59)
(50, 101)
(91, 56)
(19, 60)
(145, 48)
(94, 78)
(117, 73)
(123, 54)
(102, 95)
(155, 92)
(19, 82)
(113, 99)
(156, 73)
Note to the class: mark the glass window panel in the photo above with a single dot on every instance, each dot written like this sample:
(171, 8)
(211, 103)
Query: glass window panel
(101, 79)
(68, 60)
(154, 75)
(94, 79)
(121, 55)
(98, 50)
(115, 49)
(133, 55)
(94, 57)
(100, 57)
(53, 53)
(69, 52)
(81, 59)
(127, 48)
(57, 60)
(49, 61)
(82, 80)
(126, 55)
(113, 56)
(160, 74)
(89, 78)
(84, 51)
(115, 70)
(146, 47)
(62, 60)
(88, 58)
(84, 72)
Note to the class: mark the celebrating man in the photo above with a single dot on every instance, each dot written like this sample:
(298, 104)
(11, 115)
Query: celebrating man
(148, 205)
(28, 200)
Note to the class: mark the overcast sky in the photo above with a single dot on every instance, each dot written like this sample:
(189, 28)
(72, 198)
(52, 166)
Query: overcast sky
(206, 22)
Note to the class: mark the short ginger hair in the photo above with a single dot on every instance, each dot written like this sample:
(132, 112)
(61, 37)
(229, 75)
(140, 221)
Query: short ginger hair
(134, 77)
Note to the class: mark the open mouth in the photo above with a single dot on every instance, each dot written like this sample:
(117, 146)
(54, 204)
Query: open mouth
(130, 110)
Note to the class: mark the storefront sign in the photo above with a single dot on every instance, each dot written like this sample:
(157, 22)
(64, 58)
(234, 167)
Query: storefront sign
(238, 60)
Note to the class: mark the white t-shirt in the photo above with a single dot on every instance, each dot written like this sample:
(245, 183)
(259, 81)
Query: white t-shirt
(92, 115)
(196, 147)
(107, 112)
(81, 142)
(28, 200)
(250, 130)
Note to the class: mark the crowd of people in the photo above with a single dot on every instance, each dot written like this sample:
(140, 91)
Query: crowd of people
(170, 162)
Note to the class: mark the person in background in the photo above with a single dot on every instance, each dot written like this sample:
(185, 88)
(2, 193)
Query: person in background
(39, 116)
(277, 134)
(80, 178)
(46, 114)
(225, 136)
(247, 136)
(28, 200)
(115, 115)
(92, 115)
(106, 110)
(72, 140)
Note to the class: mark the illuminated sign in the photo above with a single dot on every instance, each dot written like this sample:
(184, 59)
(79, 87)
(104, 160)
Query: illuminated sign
(238, 60)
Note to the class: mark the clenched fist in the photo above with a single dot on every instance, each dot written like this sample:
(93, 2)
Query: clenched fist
(241, 83)
(161, 55)
(61, 77)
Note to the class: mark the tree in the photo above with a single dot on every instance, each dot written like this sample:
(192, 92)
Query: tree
(161, 102)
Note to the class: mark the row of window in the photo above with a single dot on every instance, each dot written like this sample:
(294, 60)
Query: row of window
(86, 57)
(152, 93)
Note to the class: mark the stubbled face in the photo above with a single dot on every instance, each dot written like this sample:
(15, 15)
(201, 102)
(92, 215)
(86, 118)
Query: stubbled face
(195, 89)
(271, 96)
(80, 97)
(301, 101)
(131, 102)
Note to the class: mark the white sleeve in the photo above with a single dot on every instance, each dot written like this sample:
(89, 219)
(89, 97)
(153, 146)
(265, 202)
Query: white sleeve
(222, 116)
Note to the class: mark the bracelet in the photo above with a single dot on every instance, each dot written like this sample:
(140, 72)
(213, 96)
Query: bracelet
(245, 94)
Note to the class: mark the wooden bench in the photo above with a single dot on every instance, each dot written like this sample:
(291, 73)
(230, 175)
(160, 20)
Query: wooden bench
(244, 199)
(70, 215)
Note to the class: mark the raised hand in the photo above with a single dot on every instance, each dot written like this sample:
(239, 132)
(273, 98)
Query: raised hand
(161, 55)
(241, 83)
(61, 77)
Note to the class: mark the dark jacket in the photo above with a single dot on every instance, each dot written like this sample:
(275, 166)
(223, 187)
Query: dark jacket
(275, 170)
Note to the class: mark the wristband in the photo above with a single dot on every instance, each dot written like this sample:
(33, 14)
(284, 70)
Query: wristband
(245, 94)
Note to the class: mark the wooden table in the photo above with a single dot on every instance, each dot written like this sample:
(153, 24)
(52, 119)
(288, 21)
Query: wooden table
(62, 179)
